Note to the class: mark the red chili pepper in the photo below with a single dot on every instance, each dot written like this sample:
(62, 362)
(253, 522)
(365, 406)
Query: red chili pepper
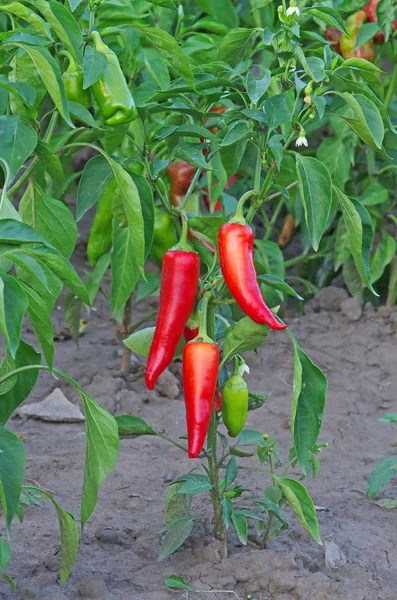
(181, 175)
(334, 35)
(179, 285)
(370, 9)
(236, 243)
(200, 376)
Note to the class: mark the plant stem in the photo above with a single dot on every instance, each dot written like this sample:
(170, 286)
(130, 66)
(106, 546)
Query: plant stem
(123, 333)
(392, 87)
(274, 218)
(137, 324)
(191, 188)
(266, 533)
(219, 526)
(258, 202)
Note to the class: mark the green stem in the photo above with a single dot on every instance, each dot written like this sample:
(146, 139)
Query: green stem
(258, 202)
(392, 87)
(258, 167)
(183, 243)
(274, 218)
(191, 188)
(172, 441)
(239, 217)
(204, 324)
(222, 320)
(218, 526)
(301, 258)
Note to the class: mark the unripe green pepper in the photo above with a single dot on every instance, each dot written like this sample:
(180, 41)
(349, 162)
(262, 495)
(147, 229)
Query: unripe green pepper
(348, 42)
(73, 80)
(111, 91)
(164, 236)
(100, 238)
(235, 403)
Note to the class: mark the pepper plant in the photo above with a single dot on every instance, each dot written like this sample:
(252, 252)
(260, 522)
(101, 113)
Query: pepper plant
(214, 119)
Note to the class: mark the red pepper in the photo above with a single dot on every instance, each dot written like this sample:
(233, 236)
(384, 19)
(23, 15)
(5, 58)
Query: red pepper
(200, 376)
(181, 175)
(179, 285)
(236, 243)
(348, 42)
(370, 9)
(334, 35)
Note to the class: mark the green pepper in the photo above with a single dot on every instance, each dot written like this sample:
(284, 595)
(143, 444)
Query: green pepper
(164, 236)
(111, 91)
(348, 42)
(73, 80)
(100, 238)
(235, 403)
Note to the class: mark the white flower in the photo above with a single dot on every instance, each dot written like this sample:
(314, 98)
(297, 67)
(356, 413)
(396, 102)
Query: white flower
(243, 368)
(301, 141)
(293, 9)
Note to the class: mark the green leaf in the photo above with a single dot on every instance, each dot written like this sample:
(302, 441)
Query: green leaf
(250, 437)
(208, 225)
(51, 218)
(125, 272)
(23, 89)
(25, 382)
(169, 48)
(236, 45)
(176, 505)
(367, 121)
(147, 206)
(18, 142)
(195, 485)
(383, 256)
(94, 180)
(328, 15)
(385, 14)
(389, 418)
(69, 535)
(177, 533)
(133, 425)
(231, 471)
(360, 232)
(140, 342)
(277, 111)
(374, 194)
(40, 318)
(127, 210)
(64, 24)
(102, 449)
(302, 505)
(342, 246)
(256, 88)
(381, 475)
(241, 453)
(5, 554)
(387, 503)
(15, 232)
(313, 66)
(25, 13)
(240, 525)
(50, 75)
(82, 114)
(174, 581)
(366, 33)
(192, 153)
(279, 284)
(222, 11)
(12, 472)
(238, 132)
(255, 401)
(245, 335)
(51, 164)
(316, 193)
(94, 66)
(308, 402)
(13, 305)
(337, 158)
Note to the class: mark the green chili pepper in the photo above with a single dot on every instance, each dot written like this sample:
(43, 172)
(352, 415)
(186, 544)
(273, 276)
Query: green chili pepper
(235, 403)
(73, 79)
(164, 236)
(111, 91)
(100, 238)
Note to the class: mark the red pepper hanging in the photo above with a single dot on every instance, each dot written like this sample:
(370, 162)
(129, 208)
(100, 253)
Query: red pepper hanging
(200, 376)
(236, 244)
(179, 285)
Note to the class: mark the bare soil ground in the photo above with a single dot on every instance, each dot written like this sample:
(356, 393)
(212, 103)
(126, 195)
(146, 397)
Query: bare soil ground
(120, 544)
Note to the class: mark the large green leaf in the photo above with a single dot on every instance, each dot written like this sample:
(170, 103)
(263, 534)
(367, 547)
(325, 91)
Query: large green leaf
(140, 342)
(383, 256)
(177, 533)
(360, 233)
(50, 217)
(328, 15)
(40, 319)
(15, 232)
(102, 449)
(13, 305)
(94, 180)
(381, 475)
(12, 472)
(125, 272)
(169, 48)
(302, 505)
(336, 156)
(25, 382)
(18, 142)
(133, 425)
(245, 335)
(316, 193)
(69, 534)
(235, 45)
(367, 122)
(308, 401)
(64, 24)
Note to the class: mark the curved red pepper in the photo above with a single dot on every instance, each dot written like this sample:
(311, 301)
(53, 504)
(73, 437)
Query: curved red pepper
(200, 376)
(236, 243)
(179, 285)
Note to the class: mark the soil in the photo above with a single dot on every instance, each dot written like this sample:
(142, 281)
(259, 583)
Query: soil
(120, 543)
